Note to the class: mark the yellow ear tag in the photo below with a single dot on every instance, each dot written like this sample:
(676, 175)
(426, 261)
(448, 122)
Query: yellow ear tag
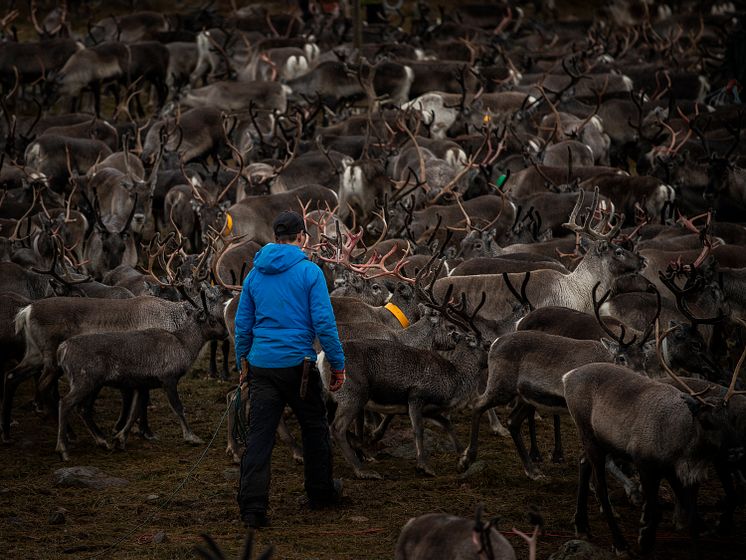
(228, 224)
(486, 118)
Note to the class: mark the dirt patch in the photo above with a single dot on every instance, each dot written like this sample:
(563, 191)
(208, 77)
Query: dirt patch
(366, 528)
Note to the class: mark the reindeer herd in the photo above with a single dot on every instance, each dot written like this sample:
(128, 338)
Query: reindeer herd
(516, 214)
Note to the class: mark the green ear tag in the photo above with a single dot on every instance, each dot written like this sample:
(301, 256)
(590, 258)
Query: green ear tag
(501, 180)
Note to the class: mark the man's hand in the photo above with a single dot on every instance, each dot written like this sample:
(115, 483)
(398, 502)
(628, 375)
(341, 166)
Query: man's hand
(244, 372)
(338, 379)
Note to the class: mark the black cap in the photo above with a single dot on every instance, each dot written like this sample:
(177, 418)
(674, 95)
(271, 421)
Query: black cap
(288, 223)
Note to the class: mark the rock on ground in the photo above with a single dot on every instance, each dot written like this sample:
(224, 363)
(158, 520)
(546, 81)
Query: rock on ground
(581, 550)
(85, 477)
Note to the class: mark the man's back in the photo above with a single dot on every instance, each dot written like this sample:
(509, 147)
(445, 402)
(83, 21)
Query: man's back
(284, 306)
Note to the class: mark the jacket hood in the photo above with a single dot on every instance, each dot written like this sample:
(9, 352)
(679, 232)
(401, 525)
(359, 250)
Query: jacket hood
(274, 258)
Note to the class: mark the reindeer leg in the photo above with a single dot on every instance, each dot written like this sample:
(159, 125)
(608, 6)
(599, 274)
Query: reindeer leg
(725, 523)
(175, 403)
(287, 437)
(86, 415)
(380, 430)
(77, 395)
(349, 406)
(14, 378)
(496, 426)
(213, 358)
(142, 415)
(121, 436)
(582, 526)
(226, 364)
(597, 458)
(631, 488)
(558, 455)
(470, 453)
(127, 397)
(518, 415)
(650, 481)
(445, 424)
(686, 513)
(534, 453)
(415, 416)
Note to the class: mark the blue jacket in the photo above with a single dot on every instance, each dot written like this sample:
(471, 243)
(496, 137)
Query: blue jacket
(284, 306)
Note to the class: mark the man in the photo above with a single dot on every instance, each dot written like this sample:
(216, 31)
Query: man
(284, 306)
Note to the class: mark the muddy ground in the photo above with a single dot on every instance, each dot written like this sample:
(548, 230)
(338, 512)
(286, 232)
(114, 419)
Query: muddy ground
(365, 528)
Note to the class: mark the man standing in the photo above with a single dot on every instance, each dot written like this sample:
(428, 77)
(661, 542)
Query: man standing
(284, 306)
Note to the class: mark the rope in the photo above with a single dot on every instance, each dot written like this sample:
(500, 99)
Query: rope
(240, 425)
(165, 502)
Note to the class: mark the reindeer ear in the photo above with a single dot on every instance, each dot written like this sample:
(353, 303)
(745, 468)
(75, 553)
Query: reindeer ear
(649, 347)
(405, 291)
(225, 205)
(611, 345)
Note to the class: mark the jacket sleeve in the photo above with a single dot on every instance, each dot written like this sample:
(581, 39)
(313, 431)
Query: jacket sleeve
(244, 325)
(322, 317)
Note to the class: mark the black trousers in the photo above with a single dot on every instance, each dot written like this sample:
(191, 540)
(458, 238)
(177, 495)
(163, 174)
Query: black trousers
(271, 390)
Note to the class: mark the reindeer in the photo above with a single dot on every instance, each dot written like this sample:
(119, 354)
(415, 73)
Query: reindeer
(604, 262)
(84, 315)
(91, 361)
(55, 157)
(117, 62)
(534, 379)
(690, 431)
(231, 97)
(253, 216)
(110, 244)
(397, 379)
(435, 534)
(194, 134)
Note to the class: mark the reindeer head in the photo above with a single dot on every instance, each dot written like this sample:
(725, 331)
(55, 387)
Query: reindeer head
(603, 258)
(634, 353)
(684, 346)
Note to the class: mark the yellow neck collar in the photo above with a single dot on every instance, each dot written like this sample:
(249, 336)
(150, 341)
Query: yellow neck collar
(398, 313)
(228, 225)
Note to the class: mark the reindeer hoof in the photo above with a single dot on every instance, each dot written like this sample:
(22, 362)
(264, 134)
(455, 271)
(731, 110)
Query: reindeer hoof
(366, 474)
(635, 497)
(191, 438)
(534, 474)
(464, 463)
(425, 470)
(298, 459)
(501, 431)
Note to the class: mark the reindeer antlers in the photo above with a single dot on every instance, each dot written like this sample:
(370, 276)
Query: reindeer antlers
(597, 232)
(658, 343)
